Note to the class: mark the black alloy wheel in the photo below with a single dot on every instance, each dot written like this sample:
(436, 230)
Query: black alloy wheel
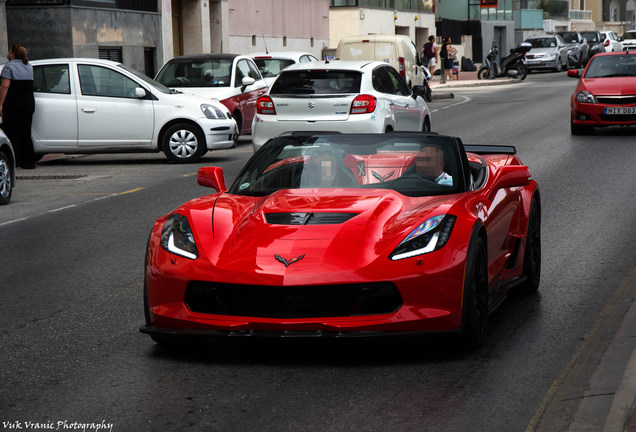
(532, 251)
(475, 304)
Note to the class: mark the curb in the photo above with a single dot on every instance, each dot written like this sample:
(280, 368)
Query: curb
(444, 91)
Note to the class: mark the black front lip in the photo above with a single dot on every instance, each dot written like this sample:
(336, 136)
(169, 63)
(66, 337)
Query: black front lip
(161, 331)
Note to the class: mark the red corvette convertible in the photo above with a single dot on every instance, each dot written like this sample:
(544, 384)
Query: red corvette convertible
(347, 235)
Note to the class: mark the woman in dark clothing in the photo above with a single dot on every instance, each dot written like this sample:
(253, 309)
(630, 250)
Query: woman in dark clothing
(17, 105)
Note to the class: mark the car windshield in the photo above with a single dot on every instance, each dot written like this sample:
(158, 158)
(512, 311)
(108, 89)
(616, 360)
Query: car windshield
(611, 66)
(570, 37)
(320, 82)
(542, 42)
(190, 73)
(410, 164)
(146, 79)
(270, 67)
(590, 36)
(629, 35)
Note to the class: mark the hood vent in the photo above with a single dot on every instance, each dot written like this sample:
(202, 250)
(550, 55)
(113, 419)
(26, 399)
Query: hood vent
(307, 218)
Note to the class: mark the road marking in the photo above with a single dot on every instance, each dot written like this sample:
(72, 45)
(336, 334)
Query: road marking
(107, 193)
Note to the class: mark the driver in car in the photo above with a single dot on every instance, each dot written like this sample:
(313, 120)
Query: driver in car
(429, 163)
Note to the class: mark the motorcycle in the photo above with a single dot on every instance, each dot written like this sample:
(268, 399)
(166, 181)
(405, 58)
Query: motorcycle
(512, 66)
(428, 94)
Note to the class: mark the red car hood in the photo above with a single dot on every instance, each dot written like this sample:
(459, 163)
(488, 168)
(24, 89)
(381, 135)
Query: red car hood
(243, 240)
(617, 86)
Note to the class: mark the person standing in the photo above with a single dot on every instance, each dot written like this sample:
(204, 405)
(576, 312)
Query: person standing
(17, 105)
(429, 52)
(450, 57)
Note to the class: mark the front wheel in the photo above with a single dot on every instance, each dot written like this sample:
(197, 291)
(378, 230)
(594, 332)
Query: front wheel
(427, 125)
(428, 95)
(475, 304)
(6, 184)
(482, 73)
(184, 143)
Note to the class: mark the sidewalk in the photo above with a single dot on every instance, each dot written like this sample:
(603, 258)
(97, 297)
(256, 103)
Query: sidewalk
(466, 79)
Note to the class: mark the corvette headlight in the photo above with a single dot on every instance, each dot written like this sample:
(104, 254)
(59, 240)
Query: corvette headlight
(429, 236)
(177, 237)
(212, 112)
(585, 97)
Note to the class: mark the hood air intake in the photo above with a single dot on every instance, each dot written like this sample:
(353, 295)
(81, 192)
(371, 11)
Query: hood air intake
(307, 218)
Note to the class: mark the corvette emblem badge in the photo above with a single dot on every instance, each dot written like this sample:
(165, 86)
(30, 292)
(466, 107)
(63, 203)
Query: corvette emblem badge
(291, 261)
(381, 177)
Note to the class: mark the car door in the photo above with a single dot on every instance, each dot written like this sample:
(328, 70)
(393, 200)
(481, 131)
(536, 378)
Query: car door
(109, 114)
(408, 115)
(55, 117)
(246, 99)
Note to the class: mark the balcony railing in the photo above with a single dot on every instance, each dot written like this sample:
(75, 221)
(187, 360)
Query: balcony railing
(414, 5)
(581, 15)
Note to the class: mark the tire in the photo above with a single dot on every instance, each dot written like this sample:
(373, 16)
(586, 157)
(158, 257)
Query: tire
(428, 95)
(184, 143)
(6, 183)
(482, 73)
(236, 115)
(523, 70)
(532, 251)
(559, 66)
(426, 127)
(475, 302)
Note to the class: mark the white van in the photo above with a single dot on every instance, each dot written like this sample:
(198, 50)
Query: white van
(397, 50)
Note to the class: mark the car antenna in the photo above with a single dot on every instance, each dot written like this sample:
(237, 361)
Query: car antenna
(265, 43)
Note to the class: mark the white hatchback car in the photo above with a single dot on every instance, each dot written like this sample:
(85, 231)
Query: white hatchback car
(270, 64)
(628, 41)
(100, 106)
(611, 42)
(342, 96)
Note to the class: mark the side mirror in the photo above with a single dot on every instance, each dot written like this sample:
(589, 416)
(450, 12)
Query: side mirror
(573, 73)
(247, 81)
(212, 177)
(512, 176)
(140, 93)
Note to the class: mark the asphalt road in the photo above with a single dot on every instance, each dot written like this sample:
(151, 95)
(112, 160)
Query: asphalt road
(72, 270)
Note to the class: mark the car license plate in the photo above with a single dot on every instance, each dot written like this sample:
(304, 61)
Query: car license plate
(630, 110)
(534, 61)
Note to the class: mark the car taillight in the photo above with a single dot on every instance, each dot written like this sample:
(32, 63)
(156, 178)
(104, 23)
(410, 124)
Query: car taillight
(402, 68)
(363, 104)
(606, 44)
(265, 105)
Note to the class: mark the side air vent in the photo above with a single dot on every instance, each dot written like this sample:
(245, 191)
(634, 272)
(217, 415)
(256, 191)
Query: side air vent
(307, 218)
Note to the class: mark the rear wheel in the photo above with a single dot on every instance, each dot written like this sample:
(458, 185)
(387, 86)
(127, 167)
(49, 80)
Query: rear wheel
(532, 252)
(475, 304)
(427, 125)
(523, 70)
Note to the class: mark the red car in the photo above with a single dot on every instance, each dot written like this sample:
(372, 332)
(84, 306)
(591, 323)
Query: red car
(605, 94)
(347, 235)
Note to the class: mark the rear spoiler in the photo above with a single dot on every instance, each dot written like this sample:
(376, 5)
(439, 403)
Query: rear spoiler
(490, 149)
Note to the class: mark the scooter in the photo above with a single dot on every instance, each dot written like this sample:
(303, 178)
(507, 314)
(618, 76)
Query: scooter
(428, 94)
(512, 66)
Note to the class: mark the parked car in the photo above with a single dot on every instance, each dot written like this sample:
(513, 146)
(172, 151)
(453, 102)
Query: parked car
(578, 49)
(231, 78)
(628, 41)
(100, 106)
(343, 96)
(270, 64)
(397, 50)
(605, 94)
(595, 41)
(7, 169)
(548, 52)
(611, 42)
(345, 235)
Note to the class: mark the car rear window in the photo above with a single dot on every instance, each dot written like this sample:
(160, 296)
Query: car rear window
(270, 67)
(317, 83)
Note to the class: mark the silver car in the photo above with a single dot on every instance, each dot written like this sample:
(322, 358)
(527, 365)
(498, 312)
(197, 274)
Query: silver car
(578, 49)
(7, 169)
(548, 52)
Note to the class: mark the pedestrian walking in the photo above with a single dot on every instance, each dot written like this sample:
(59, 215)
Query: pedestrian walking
(443, 54)
(451, 53)
(17, 105)
(429, 54)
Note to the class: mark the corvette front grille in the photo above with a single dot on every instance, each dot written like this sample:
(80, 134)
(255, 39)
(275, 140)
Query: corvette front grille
(310, 301)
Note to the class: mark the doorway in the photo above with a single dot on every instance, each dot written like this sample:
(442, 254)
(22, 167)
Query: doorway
(177, 28)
